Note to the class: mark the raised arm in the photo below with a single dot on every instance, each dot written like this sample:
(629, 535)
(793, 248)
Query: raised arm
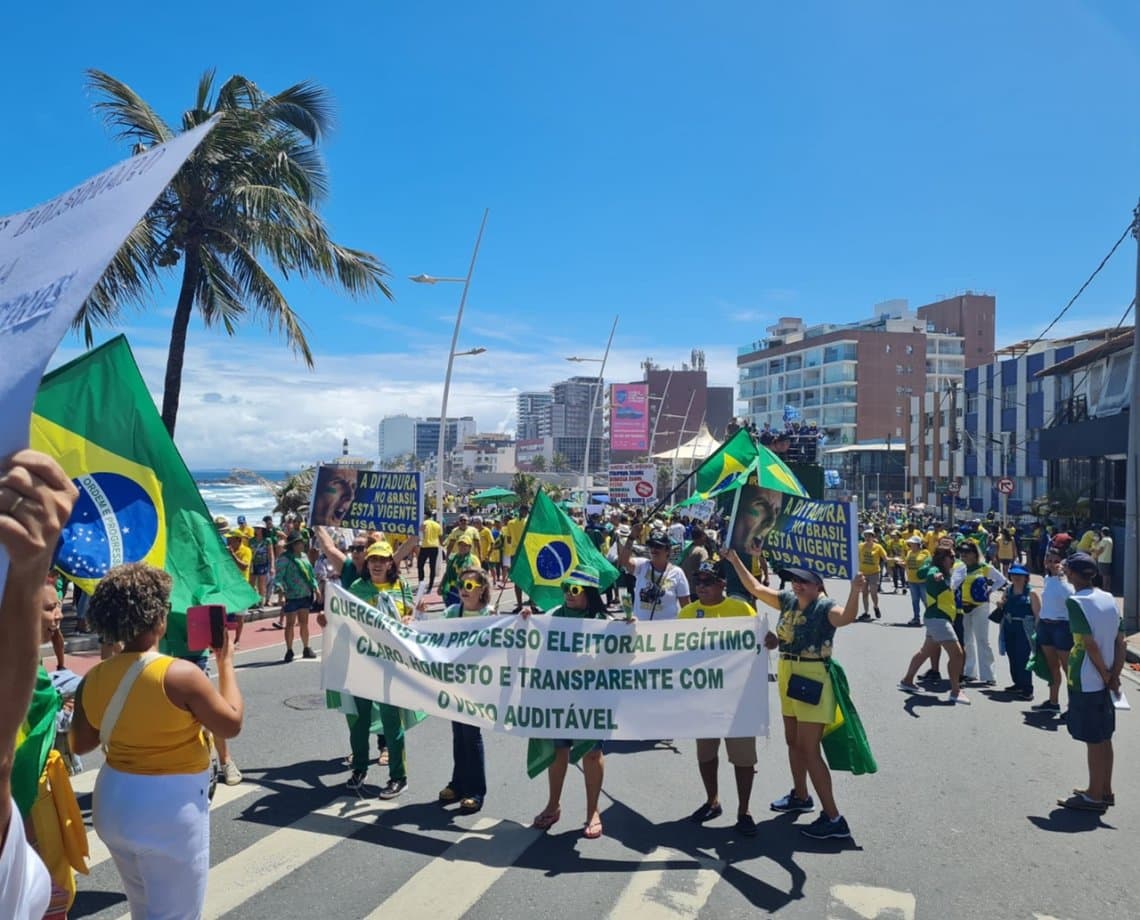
(763, 593)
(850, 610)
(332, 552)
(625, 554)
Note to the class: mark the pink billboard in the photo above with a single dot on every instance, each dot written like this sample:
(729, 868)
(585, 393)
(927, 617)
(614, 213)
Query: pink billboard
(629, 416)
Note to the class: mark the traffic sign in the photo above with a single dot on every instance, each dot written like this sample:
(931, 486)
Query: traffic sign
(644, 489)
(1005, 485)
(954, 486)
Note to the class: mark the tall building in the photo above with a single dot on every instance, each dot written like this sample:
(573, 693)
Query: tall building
(934, 459)
(856, 380)
(533, 412)
(570, 410)
(427, 434)
(397, 436)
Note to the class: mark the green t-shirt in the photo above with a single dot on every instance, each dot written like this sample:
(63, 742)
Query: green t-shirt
(808, 631)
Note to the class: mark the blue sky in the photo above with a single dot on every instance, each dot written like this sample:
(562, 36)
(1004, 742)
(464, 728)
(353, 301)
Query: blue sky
(699, 170)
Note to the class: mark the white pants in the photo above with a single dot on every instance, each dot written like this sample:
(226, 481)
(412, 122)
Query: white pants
(976, 633)
(158, 831)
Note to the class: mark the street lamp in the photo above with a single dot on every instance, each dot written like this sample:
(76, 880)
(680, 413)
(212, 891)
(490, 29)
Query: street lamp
(593, 407)
(451, 355)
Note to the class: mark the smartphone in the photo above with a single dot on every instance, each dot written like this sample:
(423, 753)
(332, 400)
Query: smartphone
(206, 626)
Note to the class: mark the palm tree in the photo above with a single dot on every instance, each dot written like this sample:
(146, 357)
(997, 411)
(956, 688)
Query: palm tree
(559, 463)
(246, 197)
(524, 485)
(292, 494)
(538, 464)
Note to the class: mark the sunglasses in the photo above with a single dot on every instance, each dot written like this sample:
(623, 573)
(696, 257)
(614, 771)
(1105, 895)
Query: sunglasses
(574, 590)
(470, 584)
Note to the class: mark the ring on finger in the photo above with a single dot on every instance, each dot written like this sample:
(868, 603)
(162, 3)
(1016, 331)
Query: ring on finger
(16, 502)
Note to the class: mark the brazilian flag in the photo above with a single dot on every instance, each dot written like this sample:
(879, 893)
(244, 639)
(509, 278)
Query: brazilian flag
(552, 546)
(34, 740)
(730, 466)
(137, 501)
(845, 742)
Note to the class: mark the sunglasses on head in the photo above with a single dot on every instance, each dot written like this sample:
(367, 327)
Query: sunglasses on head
(574, 590)
(471, 584)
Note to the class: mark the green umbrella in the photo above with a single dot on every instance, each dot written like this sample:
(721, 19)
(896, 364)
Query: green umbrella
(494, 495)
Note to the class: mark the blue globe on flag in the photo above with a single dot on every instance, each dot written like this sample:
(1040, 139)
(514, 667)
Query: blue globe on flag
(554, 561)
(114, 521)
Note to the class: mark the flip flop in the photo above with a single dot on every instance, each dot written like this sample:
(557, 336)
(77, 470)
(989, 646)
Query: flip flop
(546, 819)
(593, 830)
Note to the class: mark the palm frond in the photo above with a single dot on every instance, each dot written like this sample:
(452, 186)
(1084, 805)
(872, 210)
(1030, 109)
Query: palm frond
(306, 107)
(125, 113)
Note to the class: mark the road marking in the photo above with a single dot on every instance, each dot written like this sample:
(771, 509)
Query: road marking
(97, 851)
(677, 889)
(452, 883)
(869, 903)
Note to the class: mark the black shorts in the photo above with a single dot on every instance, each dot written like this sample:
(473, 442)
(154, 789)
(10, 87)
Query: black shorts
(1092, 717)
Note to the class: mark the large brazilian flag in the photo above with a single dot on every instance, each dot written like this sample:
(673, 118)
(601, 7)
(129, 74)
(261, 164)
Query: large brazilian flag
(137, 501)
(738, 458)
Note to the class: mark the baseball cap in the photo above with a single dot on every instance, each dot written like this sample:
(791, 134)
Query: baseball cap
(1082, 563)
(584, 575)
(658, 538)
(381, 548)
(241, 518)
(709, 570)
(1019, 570)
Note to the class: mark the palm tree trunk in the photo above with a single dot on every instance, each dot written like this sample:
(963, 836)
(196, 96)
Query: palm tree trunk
(172, 386)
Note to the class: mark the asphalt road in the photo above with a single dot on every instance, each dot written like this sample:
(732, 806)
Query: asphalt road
(959, 822)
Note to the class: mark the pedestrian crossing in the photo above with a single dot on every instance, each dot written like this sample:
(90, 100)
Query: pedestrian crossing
(449, 879)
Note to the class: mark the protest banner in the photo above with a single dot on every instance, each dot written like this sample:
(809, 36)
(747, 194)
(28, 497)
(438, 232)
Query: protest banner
(51, 257)
(555, 677)
(817, 535)
(391, 502)
(633, 484)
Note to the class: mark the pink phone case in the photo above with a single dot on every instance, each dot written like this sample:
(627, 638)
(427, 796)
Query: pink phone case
(198, 628)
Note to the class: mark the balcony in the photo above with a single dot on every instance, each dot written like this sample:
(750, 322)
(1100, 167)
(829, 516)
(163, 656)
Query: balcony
(1071, 410)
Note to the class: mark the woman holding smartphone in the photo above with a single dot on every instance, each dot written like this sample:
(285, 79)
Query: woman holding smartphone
(804, 633)
(150, 712)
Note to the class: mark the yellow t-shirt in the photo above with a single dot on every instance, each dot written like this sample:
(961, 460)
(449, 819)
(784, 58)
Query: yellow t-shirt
(513, 535)
(153, 737)
(915, 560)
(246, 533)
(244, 555)
(431, 531)
(485, 541)
(729, 607)
(1088, 538)
(870, 558)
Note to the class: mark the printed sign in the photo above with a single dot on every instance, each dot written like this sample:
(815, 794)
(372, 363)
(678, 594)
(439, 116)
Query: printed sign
(555, 677)
(390, 502)
(629, 416)
(633, 484)
(817, 535)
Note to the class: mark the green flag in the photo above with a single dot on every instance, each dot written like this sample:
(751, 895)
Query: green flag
(137, 501)
(34, 741)
(552, 546)
(727, 468)
(845, 742)
(773, 473)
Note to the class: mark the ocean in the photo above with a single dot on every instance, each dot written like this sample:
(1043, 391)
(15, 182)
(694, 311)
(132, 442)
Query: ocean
(229, 499)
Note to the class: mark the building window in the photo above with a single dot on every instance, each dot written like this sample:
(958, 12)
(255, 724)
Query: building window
(776, 366)
(1009, 396)
(898, 411)
(888, 349)
(971, 403)
(795, 362)
(845, 351)
(910, 349)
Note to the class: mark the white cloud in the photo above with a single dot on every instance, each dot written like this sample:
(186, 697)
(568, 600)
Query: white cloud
(251, 405)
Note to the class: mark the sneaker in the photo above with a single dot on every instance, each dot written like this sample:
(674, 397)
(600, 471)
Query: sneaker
(278, 625)
(1046, 707)
(824, 828)
(356, 781)
(958, 697)
(706, 813)
(231, 775)
(745, 826)
(878, 614)
(308, 653)
(1082, 802)
(863, 618)
(393, 788)
(792, 802)
(908, 688)
(1012, 688)
(288, 656)
(1109, 800)
(914, 622)
(931, 675)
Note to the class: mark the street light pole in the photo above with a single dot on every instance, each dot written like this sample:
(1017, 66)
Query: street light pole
(1129, 551)
(425, 279)
(593, 409)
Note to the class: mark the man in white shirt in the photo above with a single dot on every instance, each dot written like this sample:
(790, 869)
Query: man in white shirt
(35, 501)
(660, 588)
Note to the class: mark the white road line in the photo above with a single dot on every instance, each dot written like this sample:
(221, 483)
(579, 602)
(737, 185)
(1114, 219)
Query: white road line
(869, 903)
(97, 851)
(451, 884)
(667, 893)
(239, 878)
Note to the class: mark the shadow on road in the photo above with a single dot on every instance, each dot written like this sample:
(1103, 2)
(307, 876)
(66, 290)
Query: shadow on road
(1046, 721)
(1069, 821)
(915, 701)
(88, 903)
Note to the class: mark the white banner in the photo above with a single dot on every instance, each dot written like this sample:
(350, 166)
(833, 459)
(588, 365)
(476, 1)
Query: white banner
(555, 677)
(52, 256)
(633, 484)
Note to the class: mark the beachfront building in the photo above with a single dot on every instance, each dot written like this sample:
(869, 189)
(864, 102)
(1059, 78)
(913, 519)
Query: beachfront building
(1008, 406)
(856, 380)
(484, 453)
(570, 409)
(397, 436)
(532, 411)
(427, 434)
(1085, 442)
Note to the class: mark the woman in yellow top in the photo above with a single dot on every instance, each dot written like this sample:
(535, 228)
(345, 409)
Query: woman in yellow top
(150, 805)
(916, 558)
(871, 558)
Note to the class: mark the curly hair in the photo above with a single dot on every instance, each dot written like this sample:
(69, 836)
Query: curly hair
(130, 600)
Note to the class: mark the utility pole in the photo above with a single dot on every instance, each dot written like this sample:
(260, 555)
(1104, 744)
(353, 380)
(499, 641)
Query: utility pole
(953, 444)
(1129, 552)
